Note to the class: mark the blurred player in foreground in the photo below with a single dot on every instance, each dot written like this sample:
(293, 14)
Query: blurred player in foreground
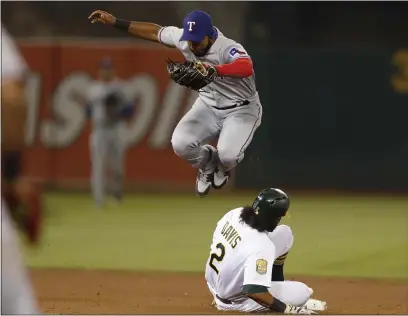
(108, 108)
(20, 203)
(244, 271)
(228, 108)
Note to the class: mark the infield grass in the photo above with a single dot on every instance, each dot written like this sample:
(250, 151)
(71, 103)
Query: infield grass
(338, 236)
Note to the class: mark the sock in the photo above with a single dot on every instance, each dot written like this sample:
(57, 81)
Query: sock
(277, 271)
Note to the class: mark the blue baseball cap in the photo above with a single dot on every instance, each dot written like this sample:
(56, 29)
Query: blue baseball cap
(197, 25)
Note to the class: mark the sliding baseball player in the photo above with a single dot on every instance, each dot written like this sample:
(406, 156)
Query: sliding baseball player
(244, 270)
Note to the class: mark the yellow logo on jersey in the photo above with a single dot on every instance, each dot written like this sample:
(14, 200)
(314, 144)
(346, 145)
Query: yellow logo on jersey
(261, 266)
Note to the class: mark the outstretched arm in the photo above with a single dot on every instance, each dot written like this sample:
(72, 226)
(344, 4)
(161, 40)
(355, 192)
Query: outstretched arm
(144, 30)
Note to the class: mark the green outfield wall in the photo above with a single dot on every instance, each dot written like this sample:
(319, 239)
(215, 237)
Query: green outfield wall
(332, 119)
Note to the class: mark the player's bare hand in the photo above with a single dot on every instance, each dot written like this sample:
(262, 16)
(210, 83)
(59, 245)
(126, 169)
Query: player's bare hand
(100, 16)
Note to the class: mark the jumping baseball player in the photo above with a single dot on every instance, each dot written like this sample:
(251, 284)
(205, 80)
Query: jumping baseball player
(16, 291)
(244, 271)
(108, 107)
(228, 106)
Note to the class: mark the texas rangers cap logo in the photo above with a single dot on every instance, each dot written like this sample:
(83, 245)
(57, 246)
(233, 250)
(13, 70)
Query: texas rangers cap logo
(190, 25)
(196, 25)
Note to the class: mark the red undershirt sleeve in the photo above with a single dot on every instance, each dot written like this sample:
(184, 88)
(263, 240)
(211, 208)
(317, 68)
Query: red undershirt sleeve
(240, 67)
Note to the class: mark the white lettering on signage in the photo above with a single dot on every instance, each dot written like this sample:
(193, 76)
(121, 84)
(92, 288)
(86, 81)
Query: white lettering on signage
(33, 97)
(68, 120)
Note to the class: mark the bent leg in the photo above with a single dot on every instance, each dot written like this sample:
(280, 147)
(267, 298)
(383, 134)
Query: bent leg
(282, 238)
(291, 292)
(237, 132)
(198, 126)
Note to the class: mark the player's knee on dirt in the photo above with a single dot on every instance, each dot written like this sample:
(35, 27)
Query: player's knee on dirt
(228, 157)
(301, 294)
(291, 292)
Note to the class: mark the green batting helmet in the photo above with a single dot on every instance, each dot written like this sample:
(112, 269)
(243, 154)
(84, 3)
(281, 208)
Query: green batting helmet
(270, 205)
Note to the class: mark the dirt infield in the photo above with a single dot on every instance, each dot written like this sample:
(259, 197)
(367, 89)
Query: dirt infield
(120, 292)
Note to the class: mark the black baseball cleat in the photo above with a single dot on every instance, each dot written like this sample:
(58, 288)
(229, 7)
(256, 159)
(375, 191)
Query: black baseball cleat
(220, 179)
(203, 183)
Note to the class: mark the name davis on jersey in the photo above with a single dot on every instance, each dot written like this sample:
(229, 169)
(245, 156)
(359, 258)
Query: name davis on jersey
(230, 234)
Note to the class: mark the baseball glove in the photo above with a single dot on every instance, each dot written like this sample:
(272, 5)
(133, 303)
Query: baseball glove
(24, 202)
(193, 75)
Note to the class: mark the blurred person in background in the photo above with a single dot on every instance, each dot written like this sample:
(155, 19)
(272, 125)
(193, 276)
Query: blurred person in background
(20, 204)
(108, 108)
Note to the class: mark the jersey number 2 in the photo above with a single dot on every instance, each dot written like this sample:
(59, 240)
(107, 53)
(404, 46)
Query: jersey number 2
(217, 257)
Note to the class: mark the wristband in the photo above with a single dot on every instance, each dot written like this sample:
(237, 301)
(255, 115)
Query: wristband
(122, 24)
(277, 306)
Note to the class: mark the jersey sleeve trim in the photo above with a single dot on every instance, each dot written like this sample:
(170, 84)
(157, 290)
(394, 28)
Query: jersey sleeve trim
(254, 288)
(159, 38)
(159, 35)
(242, 57)
(259, 264)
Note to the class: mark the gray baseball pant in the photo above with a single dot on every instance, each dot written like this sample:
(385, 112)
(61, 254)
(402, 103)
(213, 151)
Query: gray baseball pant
(107, 155)
(202, 124)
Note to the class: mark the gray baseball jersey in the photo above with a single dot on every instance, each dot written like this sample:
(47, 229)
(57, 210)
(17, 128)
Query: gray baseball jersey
(96, 97)
(224, 91)
(229, 107)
